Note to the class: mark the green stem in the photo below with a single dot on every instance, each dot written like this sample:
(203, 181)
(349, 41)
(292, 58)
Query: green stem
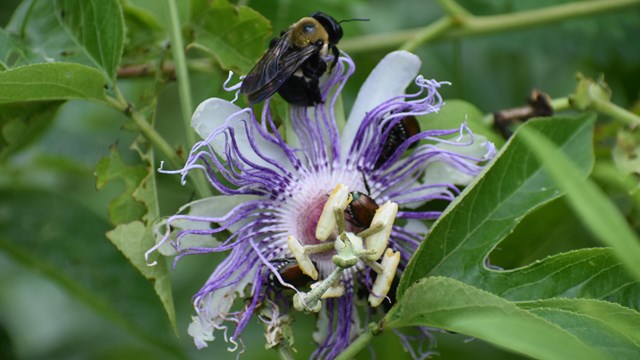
(468, 25)
(184, 88)
(120, 103)
(285, 352)
(156, 139)
(561, 104)
(455, 10)
(616, 112)
(360, 342)
(479, 25)
(429, 32)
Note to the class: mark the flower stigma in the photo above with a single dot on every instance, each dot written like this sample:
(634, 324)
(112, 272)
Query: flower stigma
(349, 252)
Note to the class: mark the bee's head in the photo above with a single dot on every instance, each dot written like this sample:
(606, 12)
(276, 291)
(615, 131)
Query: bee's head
(331, 26)
(307, 31)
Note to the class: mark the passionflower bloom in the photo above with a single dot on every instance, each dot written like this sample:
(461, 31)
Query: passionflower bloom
(275, 183)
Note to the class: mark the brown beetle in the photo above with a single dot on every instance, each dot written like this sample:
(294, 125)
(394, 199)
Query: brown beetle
(361, 209)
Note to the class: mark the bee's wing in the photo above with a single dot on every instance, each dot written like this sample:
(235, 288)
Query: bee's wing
(274, 68)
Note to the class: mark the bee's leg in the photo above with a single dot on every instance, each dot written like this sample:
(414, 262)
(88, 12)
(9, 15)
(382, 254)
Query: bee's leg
(313, 91)
(312, 70)
(314, 67)
(336, 55)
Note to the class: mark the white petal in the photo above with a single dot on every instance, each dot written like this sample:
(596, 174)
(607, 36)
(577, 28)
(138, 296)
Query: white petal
(416, 226)
(214, 309)
(214, 206)
(441, 172)
(214, 112)
(388, 79)
(200, 334)
(211, 114)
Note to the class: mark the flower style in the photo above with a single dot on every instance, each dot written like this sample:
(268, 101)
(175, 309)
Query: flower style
(273, 193)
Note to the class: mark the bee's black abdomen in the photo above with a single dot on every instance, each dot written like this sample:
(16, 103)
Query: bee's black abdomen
(300, 91)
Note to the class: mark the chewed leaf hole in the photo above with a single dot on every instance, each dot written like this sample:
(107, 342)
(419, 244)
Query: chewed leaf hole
(561, 231)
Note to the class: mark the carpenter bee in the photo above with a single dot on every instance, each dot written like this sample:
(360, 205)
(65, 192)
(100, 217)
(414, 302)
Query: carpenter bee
(400, 132)
(294, 62)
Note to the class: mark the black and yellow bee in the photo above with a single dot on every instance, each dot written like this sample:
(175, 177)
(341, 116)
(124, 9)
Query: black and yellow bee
(295, 61)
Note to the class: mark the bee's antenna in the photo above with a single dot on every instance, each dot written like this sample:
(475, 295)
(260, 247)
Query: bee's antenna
(356, 19)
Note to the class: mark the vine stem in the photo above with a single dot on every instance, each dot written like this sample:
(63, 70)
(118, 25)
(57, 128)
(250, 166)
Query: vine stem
(184, 90)
(145, 128)
(360, 342)
(467, 25)
(184, 87)
(616, 112)
(285, 353)
(432, 31)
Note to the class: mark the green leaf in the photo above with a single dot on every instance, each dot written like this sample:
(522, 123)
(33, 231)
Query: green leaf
(593, 207)
(235, 36)
(21, 123)
(154, 14)
(42, 32)
(124, 208)
(133, 240)
(65, 241)
(488, 210)
(452, 305)
(98, 26)
(135, 211)
(54, 81)
(612, 323)
(11, 50)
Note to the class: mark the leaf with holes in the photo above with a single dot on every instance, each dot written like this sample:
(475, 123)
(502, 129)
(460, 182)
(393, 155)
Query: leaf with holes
(511, 187)
(124, 208)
